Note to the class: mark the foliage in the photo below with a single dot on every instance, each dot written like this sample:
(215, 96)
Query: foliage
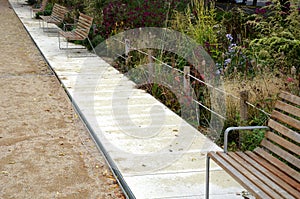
(47, 11)
(164, 95)
(235, 23)
(251, 139)
(122, 15)
(277, 42)
(198, 22)
(244, 42)
(95, 9)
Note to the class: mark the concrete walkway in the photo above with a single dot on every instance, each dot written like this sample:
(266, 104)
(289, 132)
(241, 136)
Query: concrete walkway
(158, 155)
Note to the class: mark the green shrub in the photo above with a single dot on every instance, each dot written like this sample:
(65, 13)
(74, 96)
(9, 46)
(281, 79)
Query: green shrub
(277, 42)
(47, 12)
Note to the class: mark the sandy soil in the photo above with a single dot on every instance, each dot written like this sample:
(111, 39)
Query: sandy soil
(45, 150)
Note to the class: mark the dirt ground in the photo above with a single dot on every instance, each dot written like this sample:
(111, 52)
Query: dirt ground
(45, 150)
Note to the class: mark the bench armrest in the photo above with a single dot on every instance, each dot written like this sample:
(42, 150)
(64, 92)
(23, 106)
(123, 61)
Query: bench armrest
(239, 128)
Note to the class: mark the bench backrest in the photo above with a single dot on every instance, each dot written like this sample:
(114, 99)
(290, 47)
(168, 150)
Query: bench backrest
(58, 12)
(83, 25)
(284, 138)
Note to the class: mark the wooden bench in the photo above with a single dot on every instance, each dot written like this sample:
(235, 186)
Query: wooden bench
(57, 16)
(272, 170)
(79, 33)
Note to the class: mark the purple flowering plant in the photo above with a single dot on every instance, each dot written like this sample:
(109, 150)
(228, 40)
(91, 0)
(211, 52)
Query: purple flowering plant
(123, 15)
(233, 59)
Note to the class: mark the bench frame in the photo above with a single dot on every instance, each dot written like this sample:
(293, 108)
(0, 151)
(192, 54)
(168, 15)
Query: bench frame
(260, 172)
(57, 16)
(79, 33)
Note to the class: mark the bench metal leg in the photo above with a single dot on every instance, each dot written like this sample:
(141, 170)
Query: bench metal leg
(40, 23)
(67, 43)
(58, 36)
(94, 51)
(207, 177)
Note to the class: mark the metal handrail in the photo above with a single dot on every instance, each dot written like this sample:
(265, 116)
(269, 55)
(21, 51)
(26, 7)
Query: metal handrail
(226, 132)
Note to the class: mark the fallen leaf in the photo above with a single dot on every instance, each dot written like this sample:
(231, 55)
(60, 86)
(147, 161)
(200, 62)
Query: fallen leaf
(104, 173)
(4, 173)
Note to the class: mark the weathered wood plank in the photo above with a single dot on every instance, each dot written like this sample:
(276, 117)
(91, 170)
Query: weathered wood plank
(257, 165)
(245, 182)
(286, 172)
(288, 108)
(239, 168)
(283, 142)
(286, 119)
(284, 130)
(280, 152)
(291, 98)
(266, 180)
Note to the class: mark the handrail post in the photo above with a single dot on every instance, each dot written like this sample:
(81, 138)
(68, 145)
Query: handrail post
(187, 82)
(150, 66)
(127, 50)
(244, 95)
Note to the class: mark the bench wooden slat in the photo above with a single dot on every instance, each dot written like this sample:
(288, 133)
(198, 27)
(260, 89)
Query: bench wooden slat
(291, 98)
(257, 165)
(85, 20)
(81, 33)
(83, 26)
(283, 142)
(273, 169)
(245, 182)
(239, 167)
(266, 180)
(288, 171)
(286, 119)
(280, 152)
(288, 108)
(86, 17)
(284, 130)
(57, 15)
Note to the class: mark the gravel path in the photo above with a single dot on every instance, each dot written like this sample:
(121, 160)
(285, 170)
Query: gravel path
(45, 150)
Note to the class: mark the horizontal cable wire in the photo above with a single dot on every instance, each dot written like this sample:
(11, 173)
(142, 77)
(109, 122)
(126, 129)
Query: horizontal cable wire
(199, 80)
(248, 103)
(221, 116)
